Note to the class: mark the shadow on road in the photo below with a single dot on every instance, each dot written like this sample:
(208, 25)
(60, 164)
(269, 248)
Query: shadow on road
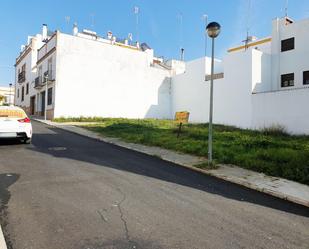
(107, 155)
(6, 180)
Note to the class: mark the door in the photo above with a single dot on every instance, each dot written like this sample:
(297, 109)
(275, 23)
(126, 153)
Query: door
(32, 105)
(42, 103)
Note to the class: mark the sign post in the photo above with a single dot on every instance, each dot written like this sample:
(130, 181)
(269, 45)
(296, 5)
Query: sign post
(181, 118)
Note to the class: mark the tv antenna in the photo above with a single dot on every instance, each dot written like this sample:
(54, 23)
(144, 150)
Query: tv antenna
(180, 19)
(67, 21)
(92, 16)
(136, 13)
(205, 19)
(248, 25)
(286, 8)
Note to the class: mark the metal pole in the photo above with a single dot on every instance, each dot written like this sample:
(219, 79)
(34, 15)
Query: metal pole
(45, 108)
(211, 103)
(10, 94)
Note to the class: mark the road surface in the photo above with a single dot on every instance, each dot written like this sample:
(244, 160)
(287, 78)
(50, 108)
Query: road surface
(66, 191)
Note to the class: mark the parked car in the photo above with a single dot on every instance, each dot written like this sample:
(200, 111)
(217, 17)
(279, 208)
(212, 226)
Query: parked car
(14, 123)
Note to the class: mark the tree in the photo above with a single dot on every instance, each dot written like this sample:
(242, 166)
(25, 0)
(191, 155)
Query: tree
(2, 98)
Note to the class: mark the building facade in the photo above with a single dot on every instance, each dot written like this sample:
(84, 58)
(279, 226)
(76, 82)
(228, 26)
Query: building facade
(262, 83)
(88, 75)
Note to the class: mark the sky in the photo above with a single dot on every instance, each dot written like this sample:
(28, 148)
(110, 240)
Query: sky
(165, 25)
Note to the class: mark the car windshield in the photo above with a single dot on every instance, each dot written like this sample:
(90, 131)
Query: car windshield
(12, 113)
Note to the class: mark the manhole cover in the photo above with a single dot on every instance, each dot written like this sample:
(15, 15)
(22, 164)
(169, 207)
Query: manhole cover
(57, 148)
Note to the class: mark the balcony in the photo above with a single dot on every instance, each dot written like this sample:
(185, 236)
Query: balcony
(41, 80)
(22, 77)
(49, 76)
(38, 82)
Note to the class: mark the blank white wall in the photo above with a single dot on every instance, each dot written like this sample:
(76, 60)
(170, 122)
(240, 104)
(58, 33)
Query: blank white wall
(285, 108)
(99, 79)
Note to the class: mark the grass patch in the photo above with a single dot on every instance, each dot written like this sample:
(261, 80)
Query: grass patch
(271, 151)
(206, 165)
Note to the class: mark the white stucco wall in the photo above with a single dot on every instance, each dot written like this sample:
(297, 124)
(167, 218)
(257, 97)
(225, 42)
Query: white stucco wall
(99, 79)
(232, 97)
(285, 108)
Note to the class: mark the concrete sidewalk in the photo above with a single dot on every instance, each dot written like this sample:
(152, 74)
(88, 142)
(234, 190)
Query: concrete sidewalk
(281, 188)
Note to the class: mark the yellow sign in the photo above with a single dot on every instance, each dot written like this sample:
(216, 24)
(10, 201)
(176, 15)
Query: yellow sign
(182, 117)
(12, 114)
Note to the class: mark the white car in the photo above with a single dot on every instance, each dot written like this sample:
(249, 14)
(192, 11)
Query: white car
(14, 123)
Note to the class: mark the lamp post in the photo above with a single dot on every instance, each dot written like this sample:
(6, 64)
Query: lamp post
(213, 30)
(10, 94)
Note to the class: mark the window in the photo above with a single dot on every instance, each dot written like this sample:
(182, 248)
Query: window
(306, 78)
(287, 80)
(287, 44)
(50, 96)
(17, 93)
(22, 93)
(23, 68)
(27, 89)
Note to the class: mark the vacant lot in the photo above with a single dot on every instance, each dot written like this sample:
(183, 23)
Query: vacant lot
(271, 151)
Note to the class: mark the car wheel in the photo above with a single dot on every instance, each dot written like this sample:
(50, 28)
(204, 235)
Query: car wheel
(27, 141)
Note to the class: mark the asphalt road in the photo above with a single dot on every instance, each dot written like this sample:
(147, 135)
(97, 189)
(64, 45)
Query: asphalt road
(66, 191)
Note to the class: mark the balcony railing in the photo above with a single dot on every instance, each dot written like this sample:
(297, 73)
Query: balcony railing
(49, 76)
(41, 80)
(38, 82)
(22, 77)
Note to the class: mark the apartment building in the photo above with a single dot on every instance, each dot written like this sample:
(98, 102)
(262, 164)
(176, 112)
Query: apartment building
(85, 74)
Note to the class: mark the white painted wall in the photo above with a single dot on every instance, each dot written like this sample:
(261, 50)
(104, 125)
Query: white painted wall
(232, 102)
(100, 79)
(285, 108)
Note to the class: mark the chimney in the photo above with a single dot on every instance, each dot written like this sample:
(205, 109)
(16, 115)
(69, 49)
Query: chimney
(44, 32)
(114, 39)
(75, 29)
(109, 35)
(182, 54)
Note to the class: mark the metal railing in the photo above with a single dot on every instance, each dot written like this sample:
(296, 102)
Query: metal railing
(38, 82)
(49, 76)
(41, 80)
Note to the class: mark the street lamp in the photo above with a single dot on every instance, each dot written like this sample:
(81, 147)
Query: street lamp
(10, 94)
(213, 30)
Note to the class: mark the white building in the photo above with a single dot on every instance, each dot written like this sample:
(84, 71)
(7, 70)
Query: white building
(266, 82)
(93, 76)
(260, 84)
(6, 95)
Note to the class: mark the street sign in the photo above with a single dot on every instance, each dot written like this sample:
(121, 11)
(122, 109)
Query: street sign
(181, 118)
(215, 77)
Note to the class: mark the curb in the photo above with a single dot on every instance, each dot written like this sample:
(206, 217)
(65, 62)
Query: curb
(2, 240)
(206, 172)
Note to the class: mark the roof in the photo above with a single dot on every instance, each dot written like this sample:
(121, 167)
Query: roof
(251, 44)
